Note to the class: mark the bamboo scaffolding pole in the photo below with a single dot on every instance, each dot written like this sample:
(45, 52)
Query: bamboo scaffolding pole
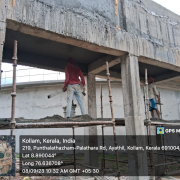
(113, 120)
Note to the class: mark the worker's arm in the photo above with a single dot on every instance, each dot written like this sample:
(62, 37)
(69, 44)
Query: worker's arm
(82, 78)
(66, 80)
(156, 93)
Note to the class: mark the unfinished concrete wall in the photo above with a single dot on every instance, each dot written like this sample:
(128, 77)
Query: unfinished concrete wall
(32, 102)
(148, 34)
(2, 31)
(156, 24)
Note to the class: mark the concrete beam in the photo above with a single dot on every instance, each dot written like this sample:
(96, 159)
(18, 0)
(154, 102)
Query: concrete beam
(159, 63)
(34, 60)
(115, 76)
(100, 65)
(42, 33)
(172, 85)
(167, 76)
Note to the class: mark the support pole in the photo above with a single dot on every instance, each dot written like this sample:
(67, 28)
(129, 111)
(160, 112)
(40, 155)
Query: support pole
(145, 103)
(101, 96)
(74, 151)
(102, 169)
(113, 120)
(13, 94)
(103, 145)
(160, 104)
(149, 128)
(109, 86)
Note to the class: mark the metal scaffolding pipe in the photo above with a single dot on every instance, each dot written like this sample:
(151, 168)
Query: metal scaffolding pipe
(74, 151)
(149, 127)
(160, 104)
(103, 145)
(113, 120)
(109, 86)
(101, 96)
(13, 94)
(102, 169)
(60, 124)
(165, 164)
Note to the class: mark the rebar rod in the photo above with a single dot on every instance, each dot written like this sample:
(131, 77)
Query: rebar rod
(13, 94)
(149, 128)
(113, 120)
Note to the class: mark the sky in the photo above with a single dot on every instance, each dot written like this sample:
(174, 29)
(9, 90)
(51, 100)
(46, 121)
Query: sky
(38, 75)
(172, 5)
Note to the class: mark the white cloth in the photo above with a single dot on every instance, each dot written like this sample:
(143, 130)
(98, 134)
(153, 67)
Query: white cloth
(152, 91)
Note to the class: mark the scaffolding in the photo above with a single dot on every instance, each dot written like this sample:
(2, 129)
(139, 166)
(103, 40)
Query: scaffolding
(13, 125)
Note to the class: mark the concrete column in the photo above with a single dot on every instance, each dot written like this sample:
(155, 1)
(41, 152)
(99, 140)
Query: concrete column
(91, 157)
(91, 92)
(2, 30)
(137, 160)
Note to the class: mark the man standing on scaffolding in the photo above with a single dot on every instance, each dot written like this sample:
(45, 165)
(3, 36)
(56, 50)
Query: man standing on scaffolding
(152, 92)
(72, 85)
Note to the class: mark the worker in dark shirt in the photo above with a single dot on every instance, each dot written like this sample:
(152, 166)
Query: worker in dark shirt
(72, 85)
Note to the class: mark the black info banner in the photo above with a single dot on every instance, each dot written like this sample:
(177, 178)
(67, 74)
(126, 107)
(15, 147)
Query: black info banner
(65, 156)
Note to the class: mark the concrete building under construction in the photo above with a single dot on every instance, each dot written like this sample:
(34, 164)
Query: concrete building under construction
(131, 35)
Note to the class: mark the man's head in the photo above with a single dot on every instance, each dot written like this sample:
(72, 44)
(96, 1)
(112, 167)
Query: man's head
(70, 60)
(150, 80)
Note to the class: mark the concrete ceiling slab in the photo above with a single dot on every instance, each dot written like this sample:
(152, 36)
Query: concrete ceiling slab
(158, 73)
(40, 46)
